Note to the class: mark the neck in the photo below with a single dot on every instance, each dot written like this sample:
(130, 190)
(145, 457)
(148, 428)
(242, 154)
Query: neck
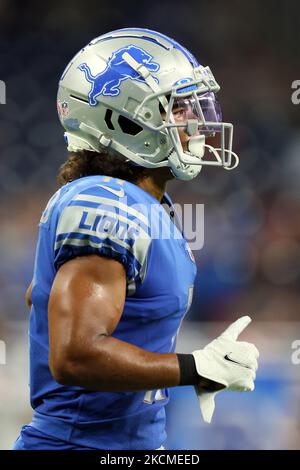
(156, 183)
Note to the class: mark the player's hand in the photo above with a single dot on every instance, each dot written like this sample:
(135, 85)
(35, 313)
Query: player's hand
(228, 363)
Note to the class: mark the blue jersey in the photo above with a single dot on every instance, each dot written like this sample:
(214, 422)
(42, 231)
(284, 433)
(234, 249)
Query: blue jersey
(110, 217)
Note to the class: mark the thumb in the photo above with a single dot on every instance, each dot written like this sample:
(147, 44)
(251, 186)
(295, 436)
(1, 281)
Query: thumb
(236, 328)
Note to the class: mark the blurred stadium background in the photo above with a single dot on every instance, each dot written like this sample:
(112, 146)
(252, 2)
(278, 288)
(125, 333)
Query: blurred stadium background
(250, 263)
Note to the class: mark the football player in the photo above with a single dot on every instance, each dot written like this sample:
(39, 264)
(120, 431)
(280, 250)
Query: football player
(109, 292)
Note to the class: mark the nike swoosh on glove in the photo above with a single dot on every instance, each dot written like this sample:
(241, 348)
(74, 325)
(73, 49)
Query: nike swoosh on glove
(228, 362)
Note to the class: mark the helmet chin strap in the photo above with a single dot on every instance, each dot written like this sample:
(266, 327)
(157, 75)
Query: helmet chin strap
(196, 145)
(181, 170)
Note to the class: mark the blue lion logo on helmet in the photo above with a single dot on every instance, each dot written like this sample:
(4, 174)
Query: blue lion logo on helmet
(107, 83)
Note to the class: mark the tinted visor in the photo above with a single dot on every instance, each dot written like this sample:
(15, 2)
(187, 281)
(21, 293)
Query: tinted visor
(205, 109)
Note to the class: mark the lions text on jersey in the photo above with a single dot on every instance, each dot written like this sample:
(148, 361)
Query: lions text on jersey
(115, 218)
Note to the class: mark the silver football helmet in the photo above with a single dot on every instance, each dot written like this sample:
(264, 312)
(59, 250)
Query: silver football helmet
(136, 91)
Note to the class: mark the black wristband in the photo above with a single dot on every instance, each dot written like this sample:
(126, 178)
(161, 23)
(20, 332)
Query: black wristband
(187, 368)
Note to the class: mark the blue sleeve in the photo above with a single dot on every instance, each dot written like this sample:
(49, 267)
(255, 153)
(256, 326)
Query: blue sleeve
(97, 221)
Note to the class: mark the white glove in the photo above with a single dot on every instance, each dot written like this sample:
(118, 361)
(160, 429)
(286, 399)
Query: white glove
(228, 362)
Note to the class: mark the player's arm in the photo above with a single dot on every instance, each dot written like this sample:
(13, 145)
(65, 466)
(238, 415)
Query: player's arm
(28, 294)
(85, 307)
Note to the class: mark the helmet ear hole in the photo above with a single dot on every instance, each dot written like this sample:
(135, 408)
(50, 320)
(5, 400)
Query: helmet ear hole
(128, 126)
(107, 119)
